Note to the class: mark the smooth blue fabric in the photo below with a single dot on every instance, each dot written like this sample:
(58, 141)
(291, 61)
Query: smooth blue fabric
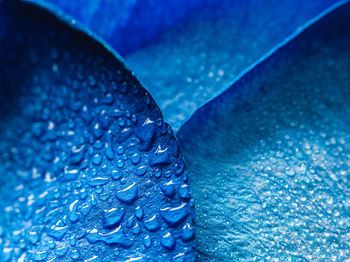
(89, 169)
(269, 158)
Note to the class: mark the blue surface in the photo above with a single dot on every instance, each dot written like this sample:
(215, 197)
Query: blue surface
(269, 158)
(90, 171)
(127, 25)
(189, 51)
(197, 60)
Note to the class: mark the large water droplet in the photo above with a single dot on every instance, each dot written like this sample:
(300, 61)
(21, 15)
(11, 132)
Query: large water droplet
(128, 194)
(112, 217)
(161, 157)
(174, 215)
(115, 237)
(58, 231)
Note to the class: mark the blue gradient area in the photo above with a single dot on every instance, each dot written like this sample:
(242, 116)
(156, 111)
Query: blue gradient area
(269, 158)
(127, 25)
(89, 169)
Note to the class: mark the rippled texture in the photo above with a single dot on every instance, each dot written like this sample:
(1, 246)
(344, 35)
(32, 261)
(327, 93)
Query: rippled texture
(269, 159)
(198, 59)
(90, 171)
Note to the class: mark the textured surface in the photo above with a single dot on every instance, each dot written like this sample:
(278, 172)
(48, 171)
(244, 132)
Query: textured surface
(269, 159)
(197, 60)
(89, 170)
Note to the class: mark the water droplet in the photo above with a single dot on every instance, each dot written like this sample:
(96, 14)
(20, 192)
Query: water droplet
(33, 237)
(161, 157)
(168, 188)
(139, 212)
(128, 194)
(115, 113)
(174, 216)
(187, 232)
(168, 241)
(147, 241)
(115, 237)
(73, 240)
(40, 255)
(184, 192)
(58, 231)
(136, 229)
(97, 159)
(73, 216)
(152, 224)
(107, 99)
(77, 154)
(112, 217)
(109, 151)
(98, 181)
(141, 170)
(116, 174)
(61, 251)
(146, 133)
(135, 159)
(75, 254)
(97, 130)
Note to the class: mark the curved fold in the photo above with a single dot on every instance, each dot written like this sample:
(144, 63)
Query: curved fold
(89, 169)
(197, 60)
(269, 158)
(127, 25)
(188, 52)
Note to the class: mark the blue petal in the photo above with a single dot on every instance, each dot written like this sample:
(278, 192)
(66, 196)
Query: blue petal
(189, 51)
(196, 61)
(85, 153)
(269, 158)
(126, 25)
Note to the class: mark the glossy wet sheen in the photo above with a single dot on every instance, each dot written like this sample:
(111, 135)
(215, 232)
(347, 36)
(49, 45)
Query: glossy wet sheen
(89, 170)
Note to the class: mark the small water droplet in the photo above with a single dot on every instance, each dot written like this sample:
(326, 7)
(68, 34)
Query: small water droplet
(168, 241)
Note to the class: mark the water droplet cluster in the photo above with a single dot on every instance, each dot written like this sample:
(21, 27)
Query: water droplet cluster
(269, 168)
(89, 170)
